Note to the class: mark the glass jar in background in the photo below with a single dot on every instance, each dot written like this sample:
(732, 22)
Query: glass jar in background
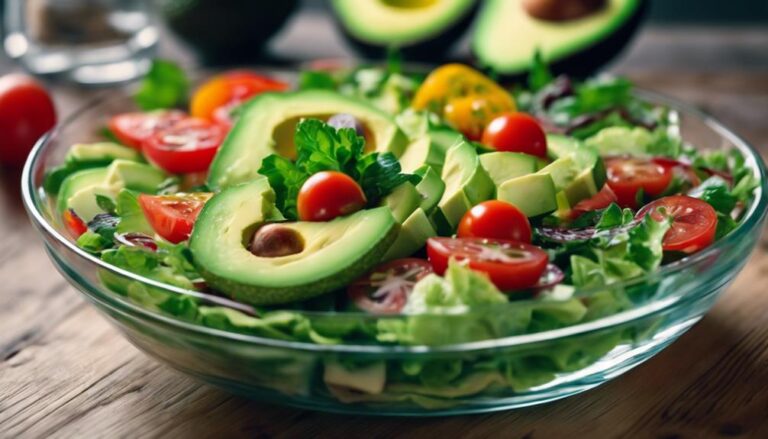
(90, 42)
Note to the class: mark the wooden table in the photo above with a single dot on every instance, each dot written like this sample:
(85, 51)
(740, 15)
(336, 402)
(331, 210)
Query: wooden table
(65, 372)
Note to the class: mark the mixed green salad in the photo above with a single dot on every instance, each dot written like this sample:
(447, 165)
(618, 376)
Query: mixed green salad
(448, 207)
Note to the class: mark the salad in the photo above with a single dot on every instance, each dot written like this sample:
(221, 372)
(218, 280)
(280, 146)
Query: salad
(444, 207)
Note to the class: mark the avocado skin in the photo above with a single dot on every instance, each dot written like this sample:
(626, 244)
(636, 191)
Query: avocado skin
(226, 31)
(432, 49)
(586, 62)
(276, 296)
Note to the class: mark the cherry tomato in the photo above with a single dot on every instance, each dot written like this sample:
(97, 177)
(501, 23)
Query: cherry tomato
(627, 175)
(684, 170)
(132, 129)
(215, 99)
(385, 290)
(74, 224)
(187, 146)
(516, 132)
(26, 113)
(601, 200)
(172, 216)
(470, 114)
(327, 195)
(510, 265)
(694, 222)
(495, 219)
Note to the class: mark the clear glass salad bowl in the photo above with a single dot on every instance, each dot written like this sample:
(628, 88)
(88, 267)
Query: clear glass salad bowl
(519, 370)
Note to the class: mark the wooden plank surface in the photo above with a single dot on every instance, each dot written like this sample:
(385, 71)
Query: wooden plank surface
(64, 372)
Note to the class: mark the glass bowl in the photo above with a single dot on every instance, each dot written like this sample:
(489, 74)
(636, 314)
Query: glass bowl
(521, 368)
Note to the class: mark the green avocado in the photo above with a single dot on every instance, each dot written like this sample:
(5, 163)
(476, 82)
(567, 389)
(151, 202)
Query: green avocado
(506, 37)
(415, 231)
(267, 125)
(334, 252)
(421, 152)
(466, 182)
(534, 194)
(402, 201)
(102, 153)
(421, 29)
(502, 166)
(578, 169)
(431, 188)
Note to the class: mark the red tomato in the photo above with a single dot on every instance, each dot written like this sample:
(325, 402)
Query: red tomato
(132, 129)
(601, 200)
(187, 146)
(495, 219)
(694, 222)
(385, 290)
(26, 113)
(327, 195)
(627, 175)
(74, 224)
(683, 169)
(510, 265)
(216, 98)
(516, 132)
(172, 216)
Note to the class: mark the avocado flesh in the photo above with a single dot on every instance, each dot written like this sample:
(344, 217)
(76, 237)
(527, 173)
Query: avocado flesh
(101, 152)
(424, 29)
(413, 235)
(579, 170)
(335, 252)
(466, 183)
(264, 118)
(402, 201)
(421, 152)
(534, 194)
(502, 166)
(431, 188)
(506, 37)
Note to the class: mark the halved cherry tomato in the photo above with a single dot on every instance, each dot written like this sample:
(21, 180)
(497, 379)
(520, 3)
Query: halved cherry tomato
(385, 289)
(516, 132)
(495, 219)
(26, 113)
(186, 146)
(215, 99)
(601, 200)
(327, 195)
(684, 170)
(627, 175)
(694, 222)
(74, 224)
(173, 216)
(132, 129)
(510, 265)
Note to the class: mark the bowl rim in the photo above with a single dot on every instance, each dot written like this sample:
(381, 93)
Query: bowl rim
(753, 218)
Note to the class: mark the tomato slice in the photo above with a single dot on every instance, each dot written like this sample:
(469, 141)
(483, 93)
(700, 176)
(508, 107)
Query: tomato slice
(495, 219)
(601, 200)
(510, 265)
(132, 129)
(684, 170)
(694, 222)
(173, 216)
(215, 99)
(327, 195)
(627, 175)
(187, 146)
(516, 132)
(74, 224)
(385, 289)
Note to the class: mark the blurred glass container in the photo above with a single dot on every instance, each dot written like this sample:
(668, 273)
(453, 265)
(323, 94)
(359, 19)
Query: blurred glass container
(91, 42)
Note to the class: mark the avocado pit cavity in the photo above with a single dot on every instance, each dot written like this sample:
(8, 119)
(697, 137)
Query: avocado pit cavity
(562, 10)
(276, 240)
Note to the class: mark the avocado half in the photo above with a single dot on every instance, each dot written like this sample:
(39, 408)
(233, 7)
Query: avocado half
(226, 31)
(506, 37)
(334, 252)
(419, 29)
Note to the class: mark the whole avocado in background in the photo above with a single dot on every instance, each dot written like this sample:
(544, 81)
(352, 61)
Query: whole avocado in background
(421, 30)
(575, 37)
(226, 31)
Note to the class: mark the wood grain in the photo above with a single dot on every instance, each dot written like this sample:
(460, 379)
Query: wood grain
(64, 372)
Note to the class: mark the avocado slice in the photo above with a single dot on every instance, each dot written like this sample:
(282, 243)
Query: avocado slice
(423, 29)
(335, 252)
(534, 194)
(502, 166)
(506, 37)
(402, 201)
(580, 169)
(466, 182)
(102, 153)
(421, 152)
(431, 188)
(413, 235)
(267, 125)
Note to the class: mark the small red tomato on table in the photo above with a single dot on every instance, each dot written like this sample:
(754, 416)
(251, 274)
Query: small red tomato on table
(26, 113)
